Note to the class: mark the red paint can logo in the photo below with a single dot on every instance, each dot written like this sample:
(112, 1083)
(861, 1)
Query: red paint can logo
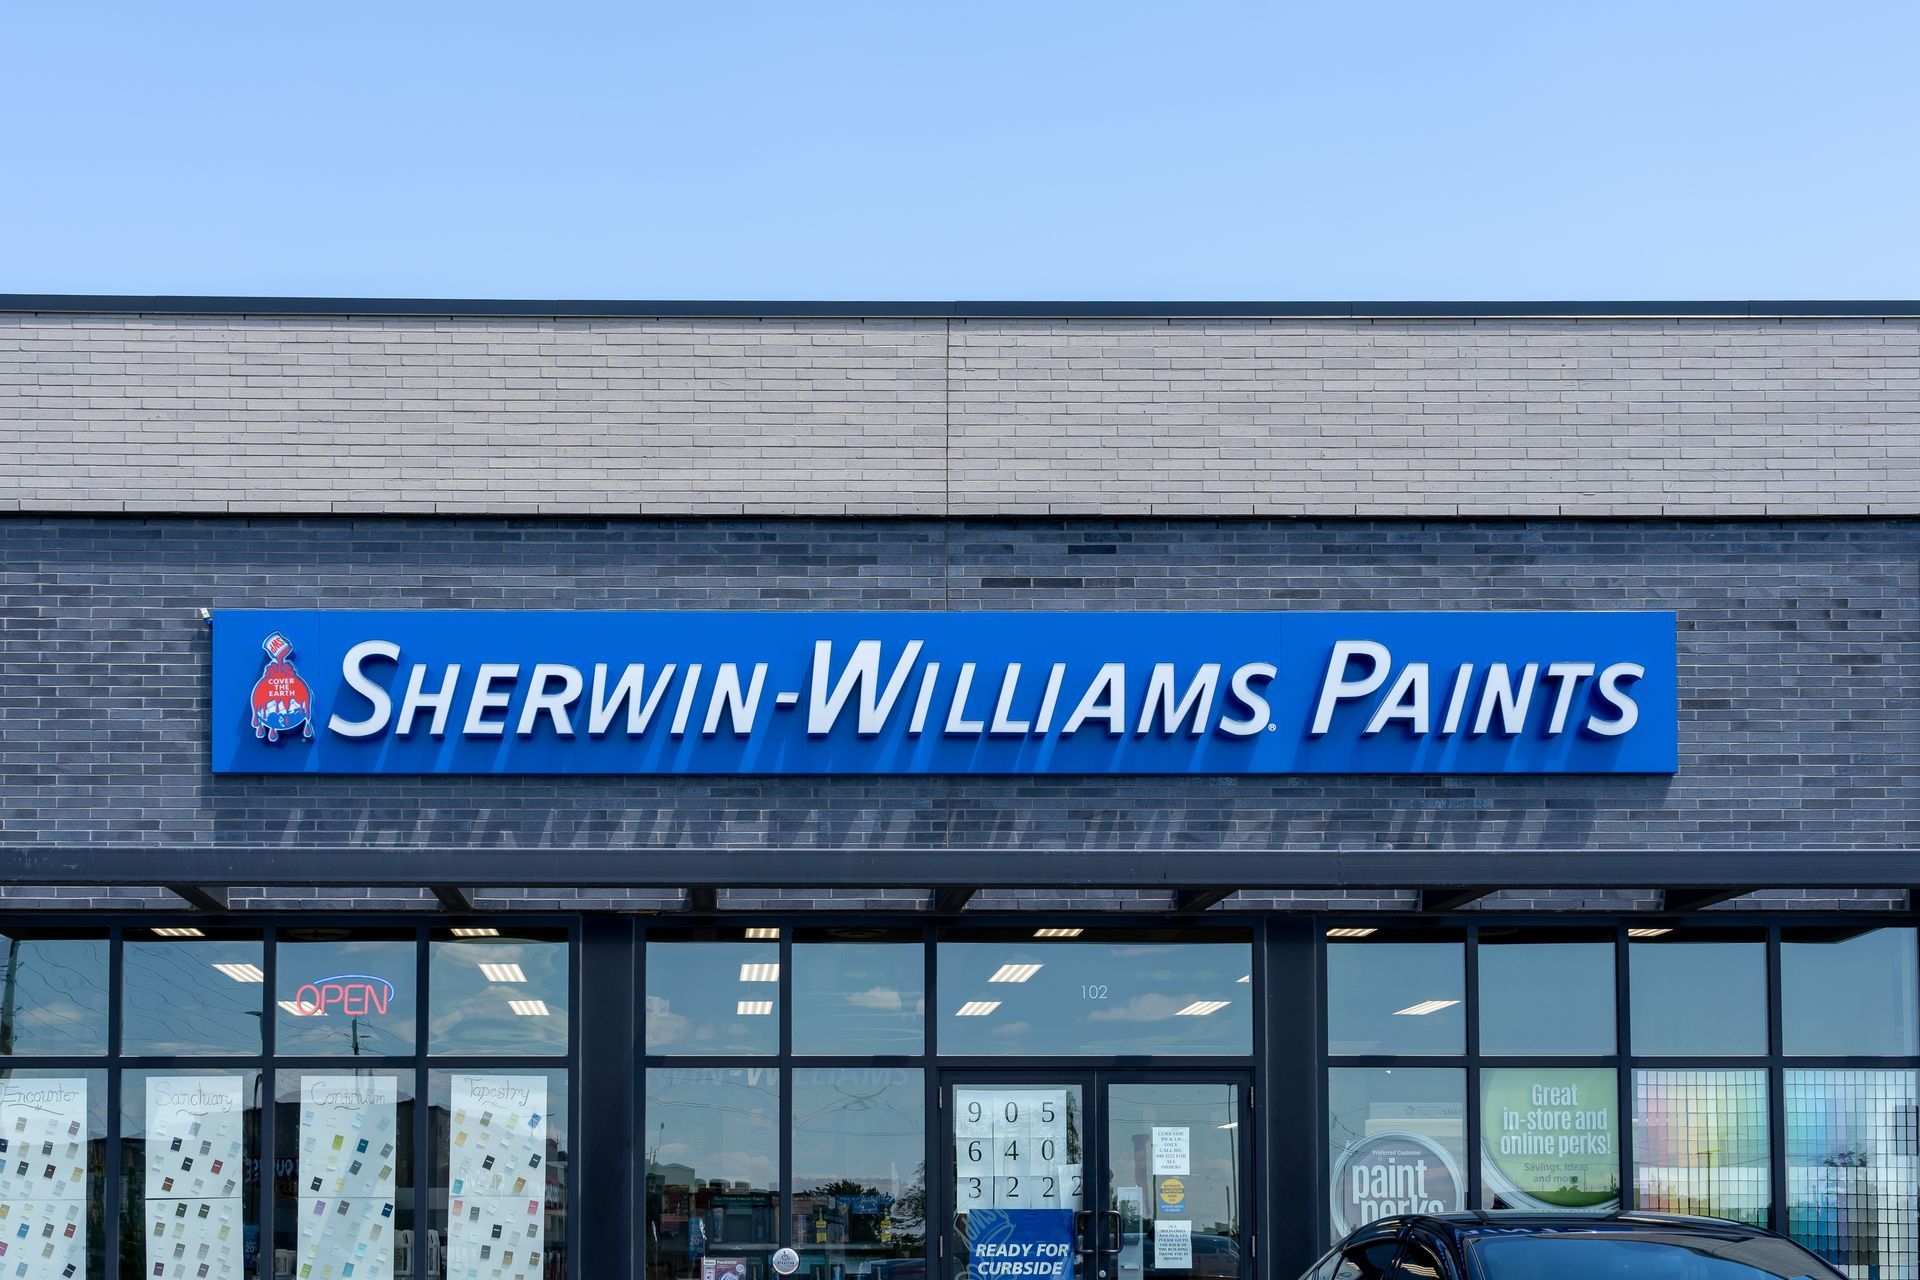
(281, 702)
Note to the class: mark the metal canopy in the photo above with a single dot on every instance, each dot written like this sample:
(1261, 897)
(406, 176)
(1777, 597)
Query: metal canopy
(389, 866)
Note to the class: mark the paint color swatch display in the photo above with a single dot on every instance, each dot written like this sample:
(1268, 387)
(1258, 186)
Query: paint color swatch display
(1700, 1143)
(195, 1144)
(1853, 1144)
(497, 1177)
(1011, 1150)
(43, 1181)
(348, 1149)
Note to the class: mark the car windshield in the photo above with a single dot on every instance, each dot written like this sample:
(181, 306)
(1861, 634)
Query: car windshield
(1645, 1256)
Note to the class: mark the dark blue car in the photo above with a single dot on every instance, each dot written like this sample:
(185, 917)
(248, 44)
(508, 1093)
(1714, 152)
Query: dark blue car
(1534, 1246)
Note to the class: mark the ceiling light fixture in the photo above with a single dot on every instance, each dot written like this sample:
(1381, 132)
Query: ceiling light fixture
(476, 932)
(1015, 972)
(1648, 933)
(1351, 933)
(1200, 1009)
(528, 1008)
(759, 973)
(1058, 933)
(502, 973)
(976, 1008)
(1423, 1008)
(299, 1010)
(178, 933)
(753, 1008)
(242, 972)
(763, 934)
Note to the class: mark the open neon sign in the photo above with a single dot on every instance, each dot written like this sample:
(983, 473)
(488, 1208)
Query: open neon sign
(353, 994)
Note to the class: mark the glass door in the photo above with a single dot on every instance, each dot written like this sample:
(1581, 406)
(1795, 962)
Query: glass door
(1177, 1153)
(1109, 1175)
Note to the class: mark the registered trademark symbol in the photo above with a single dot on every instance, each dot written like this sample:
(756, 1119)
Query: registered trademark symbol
(1272, 727)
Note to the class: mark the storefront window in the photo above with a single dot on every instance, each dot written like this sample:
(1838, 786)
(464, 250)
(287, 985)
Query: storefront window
(1108, 992)
(858, 997)
(1397, 1142)
(1851, 1177)
(1545, 994)
(712, 1139)
(501, 1160)
(1699, 994)
(1387, 994)
(498, 993)
(1848, 992)
(53, 994)
(1550, 1139)
(343, 1176)
(1700, 1144)
(190, 1174)
(713, 998)
(346, 997)
(192, 995)
(859, 1169)
(53, 1173)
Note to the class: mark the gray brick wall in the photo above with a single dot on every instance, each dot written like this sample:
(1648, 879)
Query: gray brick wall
(1800, 654)
(776, 417)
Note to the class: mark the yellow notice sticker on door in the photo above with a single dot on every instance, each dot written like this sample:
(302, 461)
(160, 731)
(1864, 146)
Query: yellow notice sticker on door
(1172, 1197)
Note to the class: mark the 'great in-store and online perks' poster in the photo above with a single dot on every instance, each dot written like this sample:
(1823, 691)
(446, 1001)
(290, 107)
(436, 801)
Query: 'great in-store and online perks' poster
(43, 1180)
(195, 1144)
(496, 1166)
(1550, 1138)
(348, 1150)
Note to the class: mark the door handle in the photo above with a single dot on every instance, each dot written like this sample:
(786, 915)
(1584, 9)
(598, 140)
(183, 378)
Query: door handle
(1117, 1236)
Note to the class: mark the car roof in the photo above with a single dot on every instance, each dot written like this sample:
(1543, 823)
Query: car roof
(1490, 1222)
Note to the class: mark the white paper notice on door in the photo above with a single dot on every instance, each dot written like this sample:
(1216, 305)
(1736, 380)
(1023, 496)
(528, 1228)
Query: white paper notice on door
(1172, 1245)
(43, 1177)
(1010, 1149)
(1170, 1150)
(195, 1144)
(348, 1150)
(497, 1177)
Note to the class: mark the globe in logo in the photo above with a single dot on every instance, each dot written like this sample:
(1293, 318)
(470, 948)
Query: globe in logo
(281, 702)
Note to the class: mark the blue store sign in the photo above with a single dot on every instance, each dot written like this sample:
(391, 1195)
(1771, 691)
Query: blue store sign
(1020, 1244)
(317, 691)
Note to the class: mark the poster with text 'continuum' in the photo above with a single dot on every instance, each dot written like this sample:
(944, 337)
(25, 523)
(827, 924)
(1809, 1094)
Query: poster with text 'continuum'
(43, 1180)
(348, 1149)
(195, 1144)
(496, 1166)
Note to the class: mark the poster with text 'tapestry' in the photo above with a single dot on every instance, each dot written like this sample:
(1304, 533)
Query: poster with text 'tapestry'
(497, 1177)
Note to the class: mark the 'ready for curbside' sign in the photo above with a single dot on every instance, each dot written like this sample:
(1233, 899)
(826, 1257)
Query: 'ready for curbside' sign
(475, 692)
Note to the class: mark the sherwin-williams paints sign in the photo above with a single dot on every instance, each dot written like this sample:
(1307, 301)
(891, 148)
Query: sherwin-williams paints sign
(309, 691)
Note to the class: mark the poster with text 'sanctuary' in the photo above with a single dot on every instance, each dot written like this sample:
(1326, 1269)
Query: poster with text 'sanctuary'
(497, 1177)
(196, 1138)
(43, 1178)
(348, 1149)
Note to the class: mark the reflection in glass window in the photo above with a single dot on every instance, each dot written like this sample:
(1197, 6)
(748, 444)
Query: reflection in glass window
(1397, 1142)
(1550, 1139)
(184, 996)
(859, 1168)
(1695, 997)
(189, 1161)
(1848, 992)
(712, 1141)
(53, 994)
(713, 997)
(351, 996)
(1386, 996)
(1096, 995)
(500, 994)
(53, 1201)
(1552, 999)
(1700, 1144)
(501, 1159)
(858, 997)
(342, 1189)
(1851, 1178)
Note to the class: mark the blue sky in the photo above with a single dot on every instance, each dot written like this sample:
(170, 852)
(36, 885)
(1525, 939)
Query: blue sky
(978, 150)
